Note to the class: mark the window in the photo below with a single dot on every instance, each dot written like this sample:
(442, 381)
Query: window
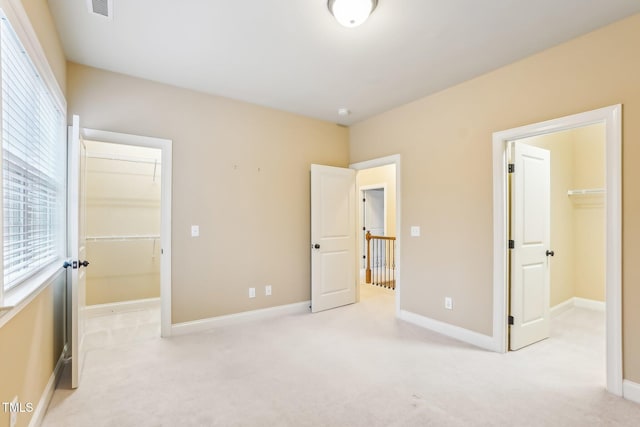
(33, 164)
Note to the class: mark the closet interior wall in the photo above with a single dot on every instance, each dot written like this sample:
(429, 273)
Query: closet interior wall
(577, 219)
(123, 222)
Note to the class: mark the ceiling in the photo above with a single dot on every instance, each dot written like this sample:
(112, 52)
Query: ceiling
(292, 55)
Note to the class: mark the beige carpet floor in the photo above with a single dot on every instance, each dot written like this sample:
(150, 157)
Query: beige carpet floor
(352, 366)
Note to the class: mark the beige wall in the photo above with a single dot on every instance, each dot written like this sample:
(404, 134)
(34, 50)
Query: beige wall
(122, 201)
(589, 213)
(449, 135)
(32, 343)
(240, 172)
(577, 222)
(35, 334)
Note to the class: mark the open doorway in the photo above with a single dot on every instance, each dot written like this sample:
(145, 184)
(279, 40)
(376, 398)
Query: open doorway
(123, 213)
(152, 159)
(573, 300)
(77, 230)
(373, 209)
(610, 118)
(378, 226)
(377, 237)
(577, 216)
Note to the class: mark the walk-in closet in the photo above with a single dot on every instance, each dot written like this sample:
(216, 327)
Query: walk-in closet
(123, 195)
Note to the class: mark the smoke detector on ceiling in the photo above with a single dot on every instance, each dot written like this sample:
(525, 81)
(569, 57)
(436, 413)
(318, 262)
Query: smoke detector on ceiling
(102, 8)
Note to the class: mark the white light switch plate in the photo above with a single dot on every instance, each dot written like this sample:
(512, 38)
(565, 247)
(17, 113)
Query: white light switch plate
(415, 231)
(195, 230)
(448, 303)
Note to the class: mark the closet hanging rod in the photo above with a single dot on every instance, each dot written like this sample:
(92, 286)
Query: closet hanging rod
(585, 191)
(123, 159)
(123, 238)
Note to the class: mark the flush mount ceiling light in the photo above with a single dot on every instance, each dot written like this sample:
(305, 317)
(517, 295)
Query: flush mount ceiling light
(351, 13)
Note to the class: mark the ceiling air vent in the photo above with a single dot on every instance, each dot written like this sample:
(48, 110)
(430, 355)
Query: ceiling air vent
(103, 8)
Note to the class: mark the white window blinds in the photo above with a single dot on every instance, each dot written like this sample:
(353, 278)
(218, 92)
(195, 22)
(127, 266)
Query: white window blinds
(33, 165)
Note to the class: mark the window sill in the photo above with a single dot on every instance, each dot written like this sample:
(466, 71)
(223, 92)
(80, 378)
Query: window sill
(17, 298)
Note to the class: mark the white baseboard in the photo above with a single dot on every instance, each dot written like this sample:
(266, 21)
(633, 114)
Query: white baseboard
(47, 393)
(261, 314)
(121, 307)
(562, 307)
(461, 334)
(631, 391)
(590, 304)
(578, 302)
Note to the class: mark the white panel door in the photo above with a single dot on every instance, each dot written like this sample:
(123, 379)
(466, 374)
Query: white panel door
(77, 245)
(530, 231)
(333, 237)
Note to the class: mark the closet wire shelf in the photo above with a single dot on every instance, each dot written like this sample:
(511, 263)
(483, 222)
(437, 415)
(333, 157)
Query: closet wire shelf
(586, 192)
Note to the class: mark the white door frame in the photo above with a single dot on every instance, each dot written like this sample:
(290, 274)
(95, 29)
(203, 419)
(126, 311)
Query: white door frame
(612, 118)
(165, 146)
(374, 163)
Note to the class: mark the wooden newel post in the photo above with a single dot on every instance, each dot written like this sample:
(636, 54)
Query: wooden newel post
(368, 270)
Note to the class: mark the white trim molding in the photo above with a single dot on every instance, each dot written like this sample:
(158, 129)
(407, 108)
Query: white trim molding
(202, 325)
(22, 296)
(589, 304)
(166, 146)
(612, 118)
(562, 307)
(631, 391)
(97, 310)
(47, 393)
(449, 330)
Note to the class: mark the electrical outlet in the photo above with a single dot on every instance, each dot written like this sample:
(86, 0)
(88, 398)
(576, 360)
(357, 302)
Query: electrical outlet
(267, 290)
(252, 292)
(448, 303)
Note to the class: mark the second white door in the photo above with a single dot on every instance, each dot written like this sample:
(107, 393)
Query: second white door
(530, 233)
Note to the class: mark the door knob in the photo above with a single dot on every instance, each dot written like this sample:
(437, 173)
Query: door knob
(316, 246)
(550, 253)
(84, 263)
(66, 264)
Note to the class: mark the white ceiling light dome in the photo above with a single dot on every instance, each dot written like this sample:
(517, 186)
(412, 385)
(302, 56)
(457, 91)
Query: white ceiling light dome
(351, 13)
